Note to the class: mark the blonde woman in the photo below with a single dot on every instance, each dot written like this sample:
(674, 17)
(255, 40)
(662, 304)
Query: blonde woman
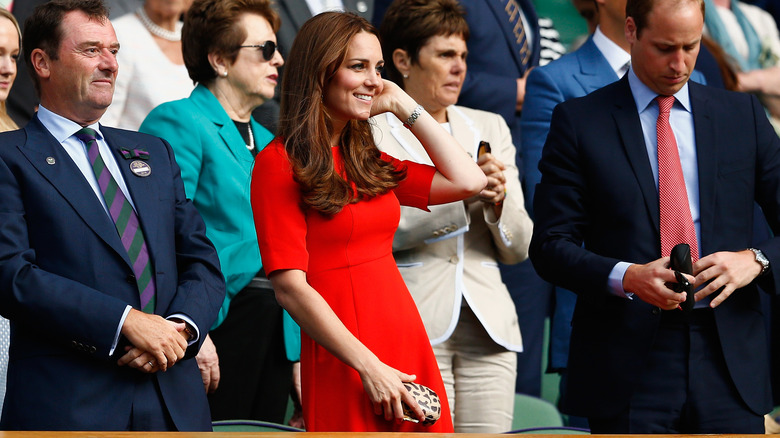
(10, 43)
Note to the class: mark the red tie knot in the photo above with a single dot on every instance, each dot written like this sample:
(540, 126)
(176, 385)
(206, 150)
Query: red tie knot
(665, 103)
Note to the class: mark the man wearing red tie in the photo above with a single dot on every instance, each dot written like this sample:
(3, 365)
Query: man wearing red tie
(629, 171)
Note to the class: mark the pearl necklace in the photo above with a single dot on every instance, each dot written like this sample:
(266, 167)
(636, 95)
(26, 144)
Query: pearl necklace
(154, 29)
(251, 145)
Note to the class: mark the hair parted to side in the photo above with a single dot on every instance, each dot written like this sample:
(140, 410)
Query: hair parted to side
(639, 10)
(6, 123)
(409, 24)
(316, 54)
(43, 30)
(210, 26)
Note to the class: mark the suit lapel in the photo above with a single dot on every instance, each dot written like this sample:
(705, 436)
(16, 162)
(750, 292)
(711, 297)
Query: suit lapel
(630, 131)
(707, 159)
(463, 130)
(228, 133)
(594, 68)
(68, 180)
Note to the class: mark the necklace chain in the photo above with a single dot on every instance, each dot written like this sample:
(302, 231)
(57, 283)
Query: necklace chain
(154, 29)
(251, 145)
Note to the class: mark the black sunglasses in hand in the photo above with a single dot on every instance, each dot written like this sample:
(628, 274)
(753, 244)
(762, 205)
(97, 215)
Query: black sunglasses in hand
(268, 49)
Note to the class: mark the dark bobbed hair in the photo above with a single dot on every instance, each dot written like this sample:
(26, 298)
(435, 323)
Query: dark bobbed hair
(43, 29)
(639, 10)
(409, 24)
(316, 54)
(211, 26)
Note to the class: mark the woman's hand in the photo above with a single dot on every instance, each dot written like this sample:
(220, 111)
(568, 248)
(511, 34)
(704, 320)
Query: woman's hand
(495, 191)
(390, 97)
(208, 363)
(385, 388)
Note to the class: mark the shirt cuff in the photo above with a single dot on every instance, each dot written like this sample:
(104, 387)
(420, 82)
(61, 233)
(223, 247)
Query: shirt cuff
(186, 319)
(615, 281)
(119, 330)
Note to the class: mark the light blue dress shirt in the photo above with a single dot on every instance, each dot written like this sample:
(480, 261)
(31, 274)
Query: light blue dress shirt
(681, 120)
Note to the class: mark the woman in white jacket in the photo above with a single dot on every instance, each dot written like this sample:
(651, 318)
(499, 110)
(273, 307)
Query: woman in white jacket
(449, 257)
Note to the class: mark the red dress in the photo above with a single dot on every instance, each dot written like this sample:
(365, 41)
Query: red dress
(348, 259)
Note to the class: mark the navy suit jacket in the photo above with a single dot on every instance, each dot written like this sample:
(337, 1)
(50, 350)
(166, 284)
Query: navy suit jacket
(65, 280)
(597, 204)
(573, 75)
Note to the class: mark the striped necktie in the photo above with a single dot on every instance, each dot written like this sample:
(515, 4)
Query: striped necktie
(125, 219)
(676, 221)
(515, 14)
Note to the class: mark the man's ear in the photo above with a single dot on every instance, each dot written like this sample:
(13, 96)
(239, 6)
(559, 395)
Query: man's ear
(41, 63)
(630, 30)
(402, 61)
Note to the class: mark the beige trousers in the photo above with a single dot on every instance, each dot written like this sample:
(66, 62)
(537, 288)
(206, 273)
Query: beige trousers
(479, 377)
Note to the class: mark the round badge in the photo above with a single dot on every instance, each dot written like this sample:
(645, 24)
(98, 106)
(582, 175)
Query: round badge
(50, 160)
(140, 168)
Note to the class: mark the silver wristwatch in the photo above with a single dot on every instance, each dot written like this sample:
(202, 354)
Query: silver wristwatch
(761, 258)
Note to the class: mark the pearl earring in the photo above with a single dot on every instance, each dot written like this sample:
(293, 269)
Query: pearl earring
(406, 76)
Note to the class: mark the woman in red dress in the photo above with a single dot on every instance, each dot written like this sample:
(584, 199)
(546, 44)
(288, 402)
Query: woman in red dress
(326, 205)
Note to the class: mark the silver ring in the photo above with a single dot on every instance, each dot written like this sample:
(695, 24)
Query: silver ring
(151, 365)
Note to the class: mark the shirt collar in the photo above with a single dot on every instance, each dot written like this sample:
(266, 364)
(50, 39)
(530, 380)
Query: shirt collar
(615, 55)
(60, 127)
(644, 96)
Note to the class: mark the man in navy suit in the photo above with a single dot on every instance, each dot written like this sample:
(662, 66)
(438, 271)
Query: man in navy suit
(637, 364)
(83, 354)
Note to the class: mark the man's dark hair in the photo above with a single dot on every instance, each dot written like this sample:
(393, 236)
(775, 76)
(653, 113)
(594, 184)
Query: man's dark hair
(640, 9)
(43, 29)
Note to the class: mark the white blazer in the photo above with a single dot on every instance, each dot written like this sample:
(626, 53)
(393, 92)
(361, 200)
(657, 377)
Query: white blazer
(452, 253)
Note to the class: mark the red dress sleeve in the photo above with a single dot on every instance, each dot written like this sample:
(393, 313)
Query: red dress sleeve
(415, 189)
(280, 219)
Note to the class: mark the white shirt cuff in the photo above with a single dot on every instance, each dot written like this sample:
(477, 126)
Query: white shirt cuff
(615, 281)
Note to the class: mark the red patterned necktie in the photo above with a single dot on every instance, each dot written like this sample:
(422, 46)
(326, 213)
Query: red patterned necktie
(125, 219)
(676, 221)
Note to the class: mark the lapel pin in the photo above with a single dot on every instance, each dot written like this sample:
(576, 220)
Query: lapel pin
(140, 168)
(50, 160)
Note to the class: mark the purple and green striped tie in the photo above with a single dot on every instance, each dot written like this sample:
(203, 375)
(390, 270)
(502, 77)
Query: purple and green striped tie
(125, 219)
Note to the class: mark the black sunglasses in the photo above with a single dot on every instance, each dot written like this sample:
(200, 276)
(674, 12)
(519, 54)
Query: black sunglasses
(268, 49)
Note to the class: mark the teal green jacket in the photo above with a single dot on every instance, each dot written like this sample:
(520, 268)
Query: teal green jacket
(216, 167)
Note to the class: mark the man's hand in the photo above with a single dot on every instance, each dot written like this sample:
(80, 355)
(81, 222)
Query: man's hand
(521, 90)
(727, 270)
(155, 340)
(208, 363)
(648, 282)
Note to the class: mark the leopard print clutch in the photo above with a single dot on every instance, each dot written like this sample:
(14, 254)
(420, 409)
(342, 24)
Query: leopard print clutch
(428, 401)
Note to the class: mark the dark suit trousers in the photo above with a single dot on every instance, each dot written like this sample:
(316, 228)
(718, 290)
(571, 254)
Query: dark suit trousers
(685, 386)
(255, 375)
(533, 301)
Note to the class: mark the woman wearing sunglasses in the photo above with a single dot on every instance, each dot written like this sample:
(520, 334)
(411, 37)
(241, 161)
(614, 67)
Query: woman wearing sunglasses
(230, 52)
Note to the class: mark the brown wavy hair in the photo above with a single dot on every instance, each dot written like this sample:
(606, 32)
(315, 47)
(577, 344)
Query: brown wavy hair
(317, 53)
